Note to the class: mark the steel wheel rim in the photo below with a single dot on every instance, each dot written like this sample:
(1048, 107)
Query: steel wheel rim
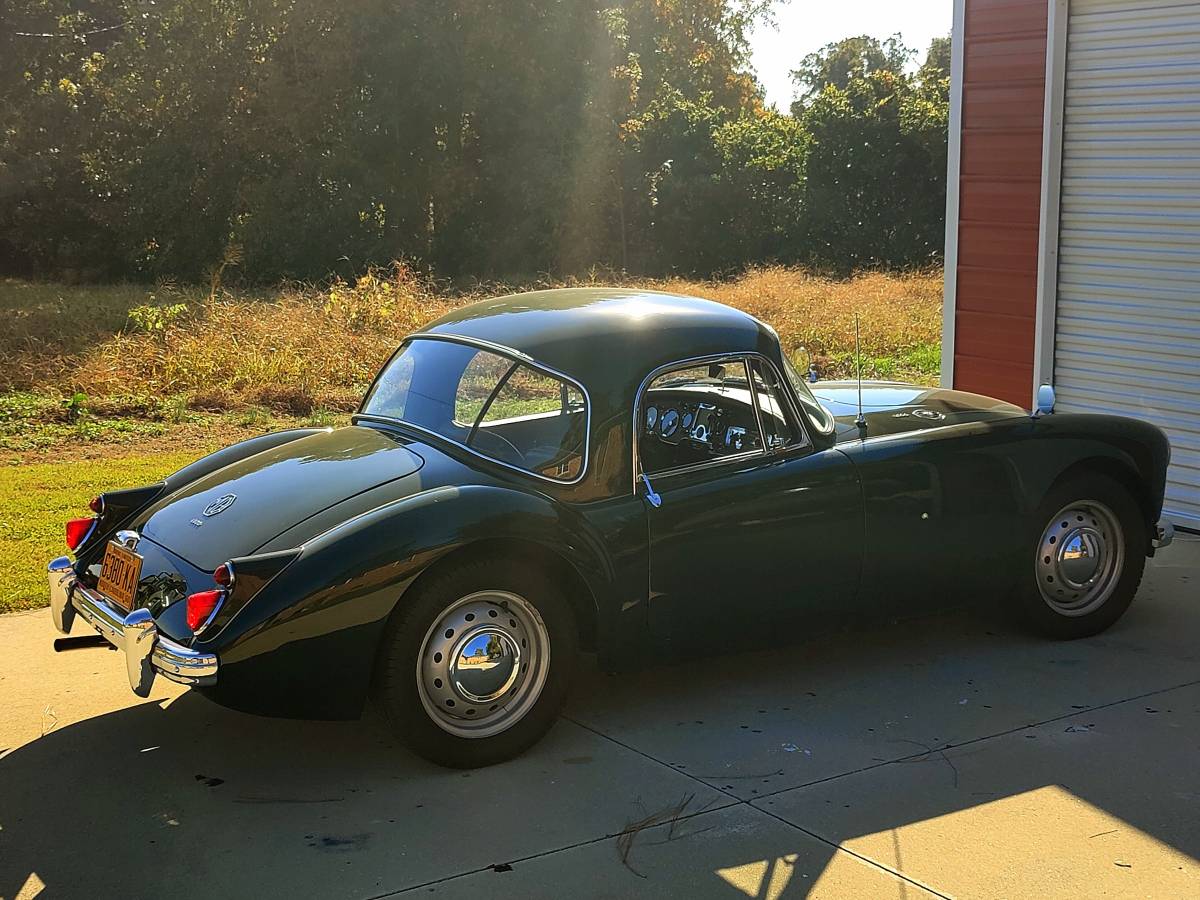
(1080, 558)
(483, 664)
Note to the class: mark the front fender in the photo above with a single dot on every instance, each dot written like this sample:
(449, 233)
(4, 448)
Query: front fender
(314, 628)
(1132, 450)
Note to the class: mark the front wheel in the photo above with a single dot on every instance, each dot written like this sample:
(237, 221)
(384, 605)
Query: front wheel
(1088, 557)
(475, 663)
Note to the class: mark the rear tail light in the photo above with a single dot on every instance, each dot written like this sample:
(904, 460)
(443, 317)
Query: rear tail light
(201, 606)
(77, 531)
(223, 575)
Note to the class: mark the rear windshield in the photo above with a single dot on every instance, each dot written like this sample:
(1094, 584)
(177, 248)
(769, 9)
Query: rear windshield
(499, 407)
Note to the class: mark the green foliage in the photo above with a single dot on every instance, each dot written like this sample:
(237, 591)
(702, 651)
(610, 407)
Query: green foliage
(38, 497)
(156, 319)
(876, 172)
(847, 61)
(273, 139)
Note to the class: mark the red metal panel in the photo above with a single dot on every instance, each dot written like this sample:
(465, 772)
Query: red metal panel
(987, 18)
(994, 336)
(998, 246)
(1008, 380)
(1004, 61)
(999, 201)
(995, 290)
(1004, 155)
(1007, 105)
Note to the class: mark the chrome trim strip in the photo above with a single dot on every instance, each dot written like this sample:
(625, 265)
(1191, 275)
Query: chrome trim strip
(744, 356)
(709, 464)
(183, 664)
(762, 432)
(501, 350)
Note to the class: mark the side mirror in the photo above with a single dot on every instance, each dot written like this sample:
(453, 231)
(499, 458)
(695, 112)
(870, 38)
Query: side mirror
(1045, 401)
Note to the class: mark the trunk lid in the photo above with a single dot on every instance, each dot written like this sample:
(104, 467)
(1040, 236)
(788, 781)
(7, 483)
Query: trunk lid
(239, 508)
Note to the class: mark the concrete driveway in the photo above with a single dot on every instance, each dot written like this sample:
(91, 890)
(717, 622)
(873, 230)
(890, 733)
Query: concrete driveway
(951, 756)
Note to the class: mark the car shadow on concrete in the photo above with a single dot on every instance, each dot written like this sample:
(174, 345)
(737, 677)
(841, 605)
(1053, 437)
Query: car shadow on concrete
(849, 738)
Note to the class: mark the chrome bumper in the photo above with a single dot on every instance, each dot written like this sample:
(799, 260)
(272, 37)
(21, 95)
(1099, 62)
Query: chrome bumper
(146, 651)
(1164, 533)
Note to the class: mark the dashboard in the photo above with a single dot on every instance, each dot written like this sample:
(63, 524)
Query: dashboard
(688, 424)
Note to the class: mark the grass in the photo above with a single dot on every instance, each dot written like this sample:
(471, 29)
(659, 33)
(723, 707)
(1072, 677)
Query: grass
(138, 352)
(113, 386)
(36, 499)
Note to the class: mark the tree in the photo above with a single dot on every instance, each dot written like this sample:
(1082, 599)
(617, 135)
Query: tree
(877, 164)
(846, 61)
(299, 138)
(936, 67)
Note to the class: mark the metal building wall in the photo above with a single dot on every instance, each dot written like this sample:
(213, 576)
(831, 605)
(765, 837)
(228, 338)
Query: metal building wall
(992, 247)
(1127, 310)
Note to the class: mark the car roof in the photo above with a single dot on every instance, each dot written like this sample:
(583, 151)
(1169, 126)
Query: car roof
(608, 338)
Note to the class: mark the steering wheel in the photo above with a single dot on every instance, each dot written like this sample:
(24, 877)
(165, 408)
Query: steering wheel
(507, 451)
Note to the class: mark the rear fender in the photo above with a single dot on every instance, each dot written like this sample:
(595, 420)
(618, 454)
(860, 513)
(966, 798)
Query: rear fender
(314, 629)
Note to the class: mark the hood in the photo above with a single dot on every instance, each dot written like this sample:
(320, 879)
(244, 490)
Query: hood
(237, 509)
(893, 408)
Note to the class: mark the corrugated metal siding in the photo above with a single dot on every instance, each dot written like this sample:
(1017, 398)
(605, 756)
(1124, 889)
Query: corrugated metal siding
(1127, 336)
(1004, 53)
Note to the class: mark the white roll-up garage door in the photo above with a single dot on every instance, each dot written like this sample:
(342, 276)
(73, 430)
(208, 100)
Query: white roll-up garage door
(1127, 331)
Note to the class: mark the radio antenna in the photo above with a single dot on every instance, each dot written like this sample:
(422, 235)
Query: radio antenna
(861, 421)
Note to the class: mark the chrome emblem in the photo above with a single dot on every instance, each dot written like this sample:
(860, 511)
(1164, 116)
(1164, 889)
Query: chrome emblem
(219, 505)
(922, 413)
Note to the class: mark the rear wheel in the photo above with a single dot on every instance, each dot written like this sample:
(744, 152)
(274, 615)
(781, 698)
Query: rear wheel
(475, 663)
(1088, 558)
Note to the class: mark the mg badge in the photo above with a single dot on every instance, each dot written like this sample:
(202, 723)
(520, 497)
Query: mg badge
(219, 505)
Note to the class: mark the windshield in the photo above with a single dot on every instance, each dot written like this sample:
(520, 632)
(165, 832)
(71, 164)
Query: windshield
(501, 408)
(819, 415)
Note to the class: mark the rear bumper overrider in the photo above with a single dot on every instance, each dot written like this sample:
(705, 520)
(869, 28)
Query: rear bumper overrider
(147, 652)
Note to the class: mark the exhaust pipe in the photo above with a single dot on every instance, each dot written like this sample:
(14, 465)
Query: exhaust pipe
(81, 642)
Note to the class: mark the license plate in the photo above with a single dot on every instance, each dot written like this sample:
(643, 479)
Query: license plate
(119, 575)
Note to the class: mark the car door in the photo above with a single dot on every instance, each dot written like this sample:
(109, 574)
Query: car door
(753, 525)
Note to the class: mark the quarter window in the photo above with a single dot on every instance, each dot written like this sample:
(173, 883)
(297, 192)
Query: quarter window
(499, 407)
(697, 414)
(778, 428)
(536, 421)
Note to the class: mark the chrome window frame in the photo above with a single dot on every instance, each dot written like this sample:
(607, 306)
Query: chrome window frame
(744, 357)
(509, 353)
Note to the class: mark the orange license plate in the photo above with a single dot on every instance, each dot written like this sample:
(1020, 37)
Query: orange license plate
(119, 575)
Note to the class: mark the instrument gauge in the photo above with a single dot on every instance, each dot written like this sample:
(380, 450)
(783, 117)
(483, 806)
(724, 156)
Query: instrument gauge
(670, 423)
(651, 418)
(688, 419)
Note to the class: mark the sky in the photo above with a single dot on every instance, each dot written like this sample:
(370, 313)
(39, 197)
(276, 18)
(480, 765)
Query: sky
(803, 26)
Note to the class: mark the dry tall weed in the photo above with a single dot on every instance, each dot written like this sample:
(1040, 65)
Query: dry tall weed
(305, 347)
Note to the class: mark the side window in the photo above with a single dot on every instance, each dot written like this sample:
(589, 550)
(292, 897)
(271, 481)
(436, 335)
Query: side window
(528, 392)
(478, 380)
(534, 421)
(778, 427)
(697, 414)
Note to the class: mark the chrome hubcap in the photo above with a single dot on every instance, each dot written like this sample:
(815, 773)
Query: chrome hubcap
(483, 664)
(1080, 558)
